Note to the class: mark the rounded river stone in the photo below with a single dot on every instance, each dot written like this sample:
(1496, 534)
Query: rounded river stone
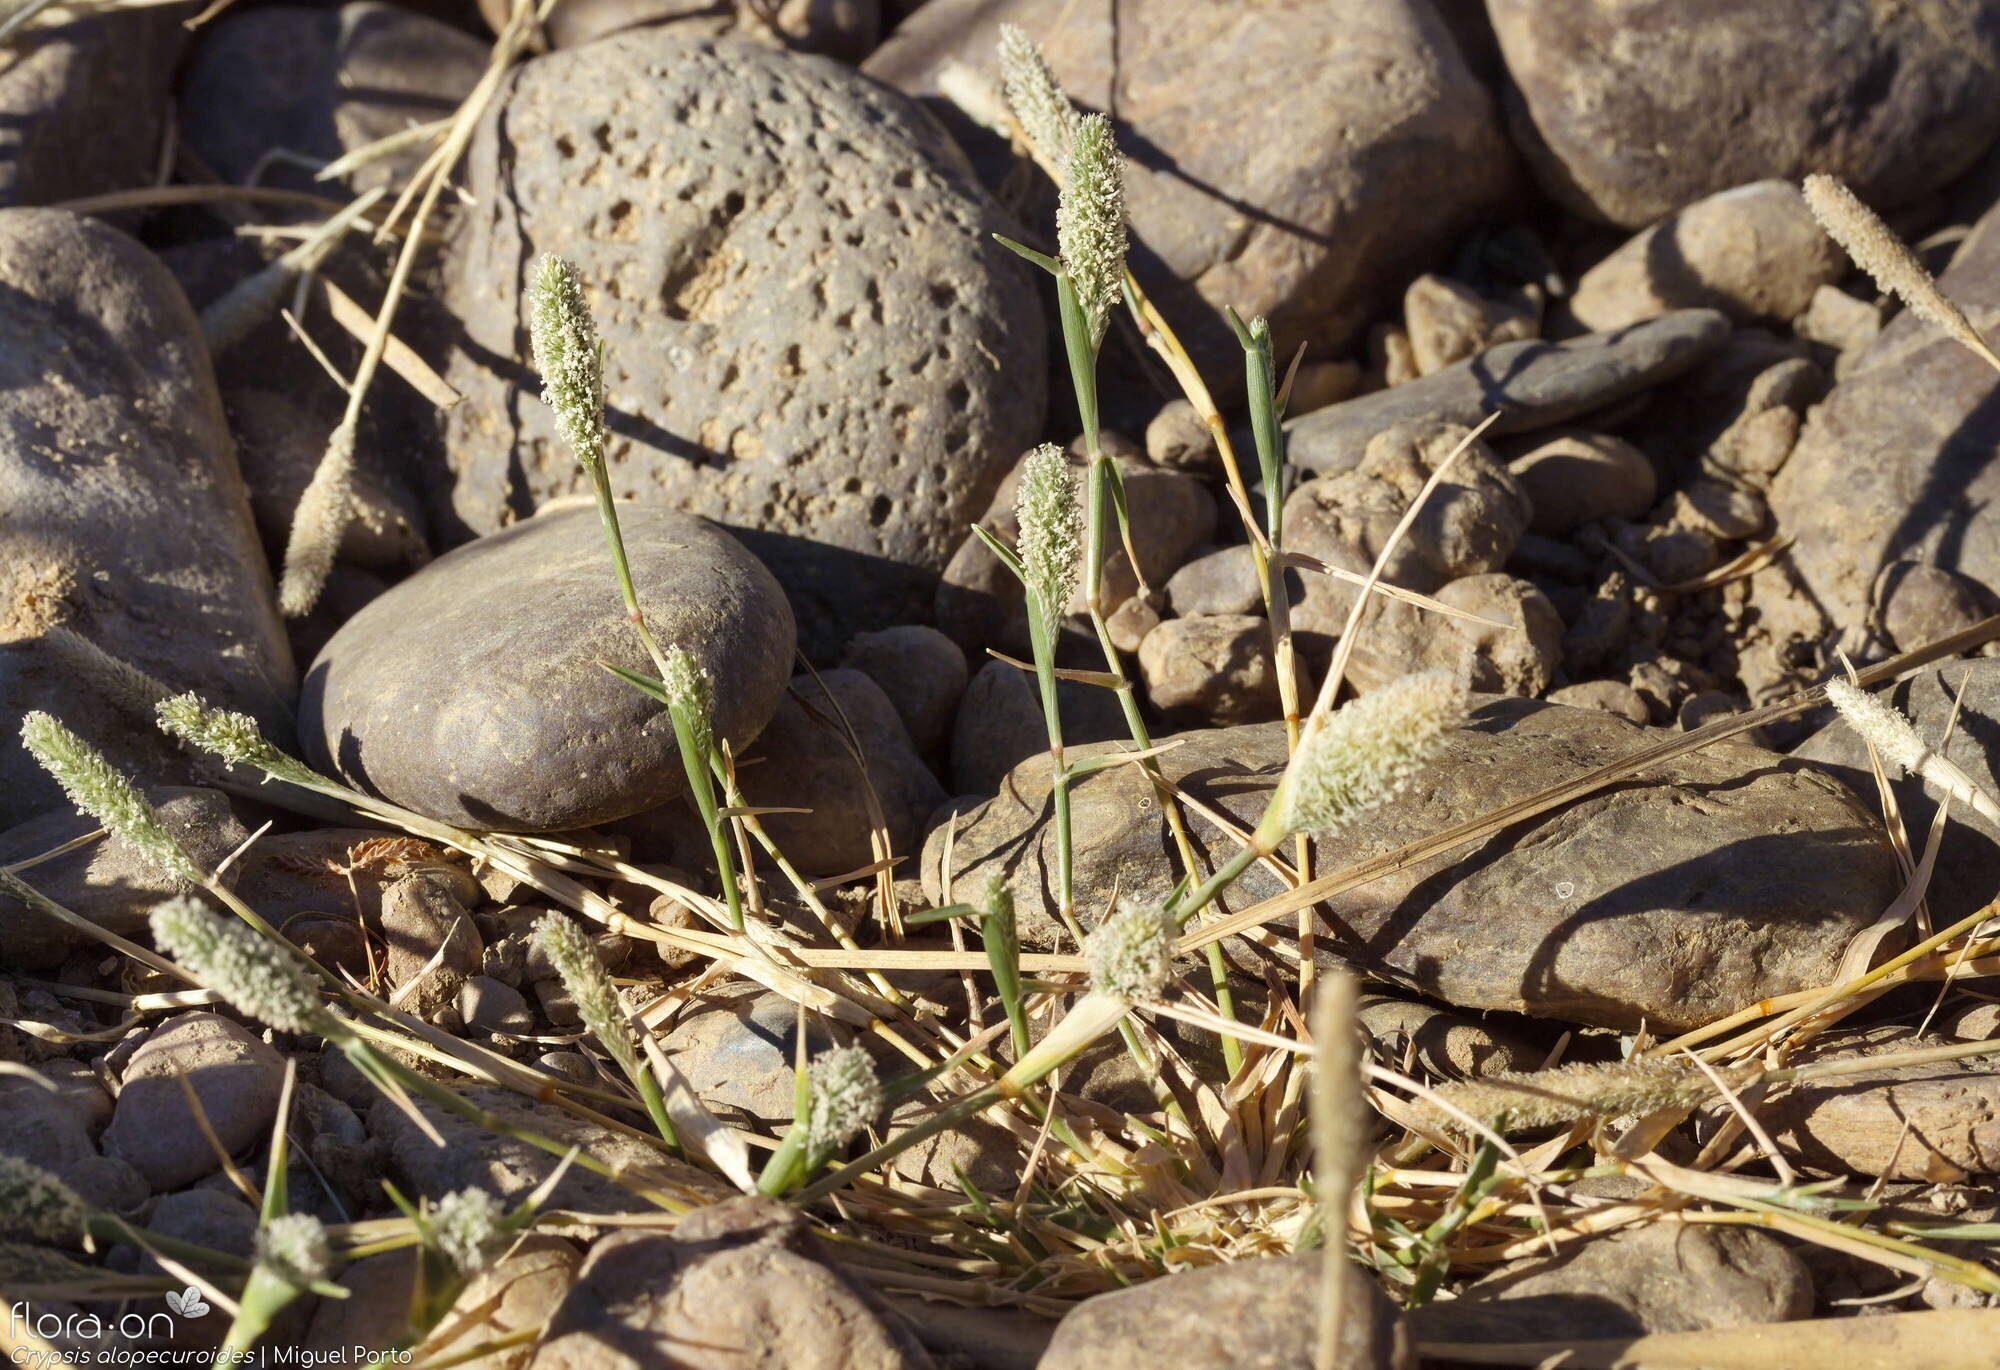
(473, 692)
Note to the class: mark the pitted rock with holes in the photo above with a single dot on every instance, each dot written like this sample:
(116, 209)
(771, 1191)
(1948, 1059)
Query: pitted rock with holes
(810, 335)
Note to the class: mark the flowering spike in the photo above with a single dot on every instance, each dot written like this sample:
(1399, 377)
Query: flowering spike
(234, 737)
(36, 1202)
(97, 788)
(1368, 752)
(1045, 114)
(843, 1096)
(575, 960)
(569, 357)
(1879, 724)
(243, 966)
(1051, 520)
(295, 1249)
(1131, 953)
(465, 1226)
(690, 691)
(1090, 223)
(318, 525)
(1877, 250)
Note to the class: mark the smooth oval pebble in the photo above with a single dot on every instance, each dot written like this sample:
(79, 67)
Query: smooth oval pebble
(473, 693)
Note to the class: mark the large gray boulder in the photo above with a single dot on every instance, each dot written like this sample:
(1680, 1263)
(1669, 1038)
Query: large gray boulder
(123, 517)
(1312, 228)
(810, 334)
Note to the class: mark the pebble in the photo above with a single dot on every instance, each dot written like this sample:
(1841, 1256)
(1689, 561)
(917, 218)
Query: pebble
(127, 521)
(106, 1183)
(1454, 1045)
(109, 882)
(1000, 722)
(1206, 1319)
(319, 83)
(1448, 322)
(922, 672)
(1720, 508)
(1220, 582)
(1754, 251)
(743, 1282)
(1617, 906)
(84, 104)
(1344, 205)
(487, 1005)
(1614, 697)
(1574, 478)
(1131, 621)
(1628, 114)
(1533, 384)
(1178, 439)
(1920, 604)
(1662, 1277)
(235, 1075)
(1519, 656)
(432, 944)
(39, 1128)
(737, 1047)
(472, 691)
(1838, 320)
(1211, 671)
(1468, 526)
(809, 332)
(802, 760)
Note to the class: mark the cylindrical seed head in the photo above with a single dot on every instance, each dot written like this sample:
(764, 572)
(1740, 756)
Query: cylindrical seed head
(1044, 112)
(465, 1228)
(691, 692)
(242, 965)
(1051, 520)
(234, 737)
(564, 337)
(1368, 752)
(568, 949)
(1090, 223)
(37, 1203)
(1878, 723)
(97, 788)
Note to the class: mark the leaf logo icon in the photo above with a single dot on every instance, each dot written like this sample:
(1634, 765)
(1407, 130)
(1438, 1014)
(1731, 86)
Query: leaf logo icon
(187, 1304)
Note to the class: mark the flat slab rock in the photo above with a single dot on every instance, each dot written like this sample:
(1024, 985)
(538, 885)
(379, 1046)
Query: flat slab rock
(1899, 461)
(1713, 881)
(1532, 383)
(809, 331)
(473, 692)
